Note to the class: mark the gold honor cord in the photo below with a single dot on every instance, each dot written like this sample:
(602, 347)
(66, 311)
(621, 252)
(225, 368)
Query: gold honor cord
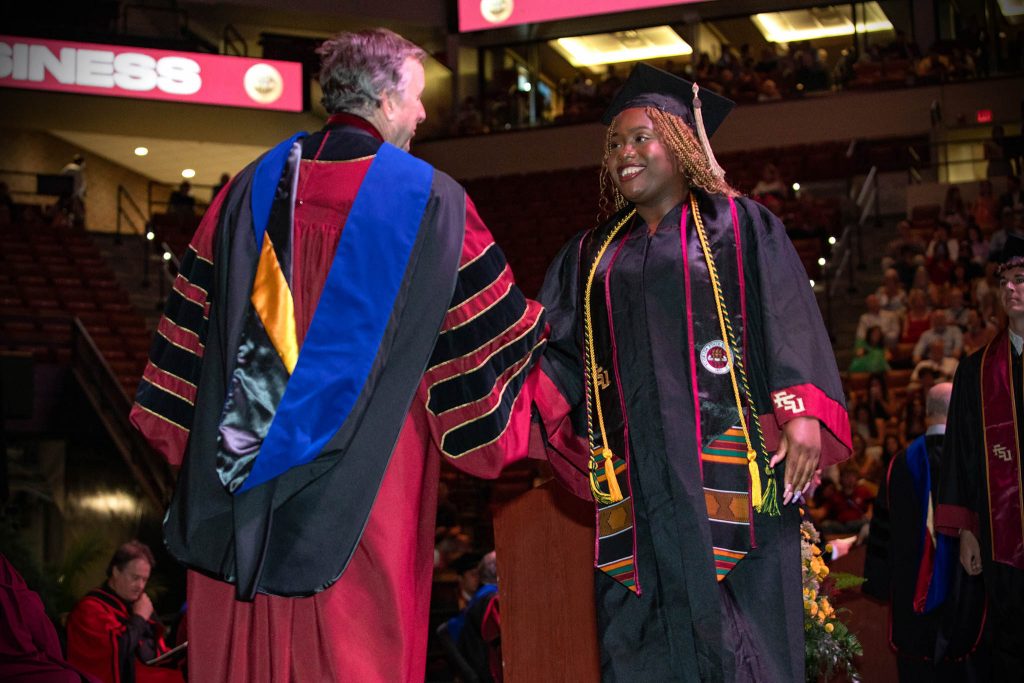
(768, 501)
(601, 457)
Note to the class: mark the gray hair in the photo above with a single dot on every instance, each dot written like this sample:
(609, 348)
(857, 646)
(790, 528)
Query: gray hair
(355, 67)
(487, 570)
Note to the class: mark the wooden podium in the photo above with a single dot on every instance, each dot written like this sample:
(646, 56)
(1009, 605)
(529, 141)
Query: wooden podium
(545, 548)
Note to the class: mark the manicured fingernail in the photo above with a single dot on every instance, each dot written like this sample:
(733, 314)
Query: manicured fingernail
(774, 461)
(804, 489)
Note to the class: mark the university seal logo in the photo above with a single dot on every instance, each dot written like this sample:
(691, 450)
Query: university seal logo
(715, 357)
(263, 83)
(496, 11)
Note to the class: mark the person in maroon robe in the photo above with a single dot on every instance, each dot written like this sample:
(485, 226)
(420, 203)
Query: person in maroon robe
(307, 491)
(113, 631)
(29, 647)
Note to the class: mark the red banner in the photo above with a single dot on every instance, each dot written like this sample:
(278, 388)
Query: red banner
(476, 15)
(142, 73)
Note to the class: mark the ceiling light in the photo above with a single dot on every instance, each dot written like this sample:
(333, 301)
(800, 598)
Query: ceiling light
(141, 151)
(622, 46)
(820, 22)
(1011, 8)
(188, 173)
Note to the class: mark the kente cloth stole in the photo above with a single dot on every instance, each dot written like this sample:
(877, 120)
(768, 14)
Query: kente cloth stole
(284, 403)
(608, 425)
(937, 551)
(720, 439)
(1002, 452)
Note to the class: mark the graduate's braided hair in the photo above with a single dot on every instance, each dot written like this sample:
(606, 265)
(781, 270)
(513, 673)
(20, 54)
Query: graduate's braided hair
(678, 137)
(683, 145)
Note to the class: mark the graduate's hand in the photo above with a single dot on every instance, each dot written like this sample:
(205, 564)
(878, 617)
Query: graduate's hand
(800, 443)
(970, 552)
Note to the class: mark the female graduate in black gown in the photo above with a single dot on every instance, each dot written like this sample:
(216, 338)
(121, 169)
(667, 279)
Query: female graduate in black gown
(691, 378)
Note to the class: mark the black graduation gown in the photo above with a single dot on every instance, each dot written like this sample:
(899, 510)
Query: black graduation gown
(963, 486)
(950, 633)
(685, 626)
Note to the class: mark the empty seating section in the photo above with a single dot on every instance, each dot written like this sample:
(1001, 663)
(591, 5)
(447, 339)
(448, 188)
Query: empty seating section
(48, 276)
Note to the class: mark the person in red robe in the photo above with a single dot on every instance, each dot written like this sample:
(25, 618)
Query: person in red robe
(306, 517)
(112, 631)
(29, 647)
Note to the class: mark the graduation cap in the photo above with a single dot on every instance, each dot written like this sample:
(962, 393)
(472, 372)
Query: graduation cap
(701, 109)
(1013, 252)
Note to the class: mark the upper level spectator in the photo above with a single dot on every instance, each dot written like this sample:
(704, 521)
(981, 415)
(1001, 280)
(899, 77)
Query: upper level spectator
(181, 201)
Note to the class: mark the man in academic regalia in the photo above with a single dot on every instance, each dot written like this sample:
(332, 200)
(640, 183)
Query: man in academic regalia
(936, 609)
(980, 496)
(342, 320)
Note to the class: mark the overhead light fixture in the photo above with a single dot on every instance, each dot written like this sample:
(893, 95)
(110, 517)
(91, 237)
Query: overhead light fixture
(141, 151)
(622, 46)
(820, 22)
(1011, 8)
(188, 173)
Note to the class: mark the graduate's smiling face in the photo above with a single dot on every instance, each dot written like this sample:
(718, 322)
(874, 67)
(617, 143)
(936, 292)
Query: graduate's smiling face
(1011, 290)
(641, 166)
(129, 581)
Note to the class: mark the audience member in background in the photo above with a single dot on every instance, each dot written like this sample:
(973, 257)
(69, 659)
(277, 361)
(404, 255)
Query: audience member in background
(918, 317)
(225, 178)
(891, 293)
(940, 266)
(181, 201)
(954, 210)
(866, 460)
(1008, 225)
(465, 567)
(874, 316)
(977, 246)
(113, 630)
(942, 238)
(938, 361)
(770, 184)
(29, 646)
(985, 209)
(956, 307)
(1013, 198)
(863, 425)
(906, 238)
(936, 609)
(923, 281)
(476, 630)
(977, 332)
(881, 406)
(75, 202)
(891, 445)
(912, 421)
(768, 91)
(940, 330)
(848, 510)
(871, 353)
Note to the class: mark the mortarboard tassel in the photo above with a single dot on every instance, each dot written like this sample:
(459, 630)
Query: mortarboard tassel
(717, 170)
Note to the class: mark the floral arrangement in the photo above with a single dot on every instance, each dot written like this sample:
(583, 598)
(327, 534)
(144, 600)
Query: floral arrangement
(829, 647)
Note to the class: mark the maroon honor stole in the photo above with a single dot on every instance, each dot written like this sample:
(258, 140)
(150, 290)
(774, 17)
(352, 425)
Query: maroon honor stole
(1002, 453)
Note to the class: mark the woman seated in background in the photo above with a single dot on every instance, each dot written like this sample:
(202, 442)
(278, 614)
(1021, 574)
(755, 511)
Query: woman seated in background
(985, 209)
(871, 354)
(918, 318)
(977, 246)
